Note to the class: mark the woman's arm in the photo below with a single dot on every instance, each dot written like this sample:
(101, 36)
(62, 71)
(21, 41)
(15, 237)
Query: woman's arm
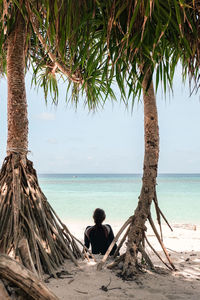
(111, 238)
(86, 238)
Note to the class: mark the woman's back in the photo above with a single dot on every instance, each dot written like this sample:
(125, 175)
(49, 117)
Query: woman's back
(99, 236)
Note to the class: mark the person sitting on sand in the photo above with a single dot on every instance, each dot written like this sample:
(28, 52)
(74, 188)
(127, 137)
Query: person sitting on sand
(99, 236)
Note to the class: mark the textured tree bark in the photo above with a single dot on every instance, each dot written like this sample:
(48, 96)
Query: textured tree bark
(151, 155)
(17, 105)
(3, 292)
(24, 279)
(25, 253)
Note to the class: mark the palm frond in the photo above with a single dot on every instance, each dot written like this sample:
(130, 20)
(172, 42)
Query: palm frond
(95, 43)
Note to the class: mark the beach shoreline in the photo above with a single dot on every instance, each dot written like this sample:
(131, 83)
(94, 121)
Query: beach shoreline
(183, 245)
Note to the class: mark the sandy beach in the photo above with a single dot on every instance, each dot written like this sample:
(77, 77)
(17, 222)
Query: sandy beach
(183, 245)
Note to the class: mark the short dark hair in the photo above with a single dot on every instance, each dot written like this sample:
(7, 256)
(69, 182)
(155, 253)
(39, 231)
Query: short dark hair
(99, 216)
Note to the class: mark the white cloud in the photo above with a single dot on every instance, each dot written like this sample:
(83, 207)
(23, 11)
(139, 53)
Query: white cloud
(45, 116)
(52, 141)
(90, 158)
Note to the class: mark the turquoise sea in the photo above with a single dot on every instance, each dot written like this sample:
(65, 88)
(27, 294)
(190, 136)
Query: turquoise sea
(75, 196)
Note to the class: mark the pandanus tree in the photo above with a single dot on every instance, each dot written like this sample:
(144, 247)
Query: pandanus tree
(136, 49)
(144, 37)
(30, 230)
(32, 33)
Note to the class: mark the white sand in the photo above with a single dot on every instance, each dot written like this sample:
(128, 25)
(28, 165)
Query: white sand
(184, 248)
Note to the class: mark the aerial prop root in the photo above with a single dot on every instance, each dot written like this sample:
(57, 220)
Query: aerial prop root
(17, 281)
(28, 221)
(67, 233)
(130, 259)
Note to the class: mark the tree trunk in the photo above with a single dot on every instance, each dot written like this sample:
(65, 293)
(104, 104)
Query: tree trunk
(17, 140)
(24, 281)
(30, 231)
(136, 230)
(151, 155)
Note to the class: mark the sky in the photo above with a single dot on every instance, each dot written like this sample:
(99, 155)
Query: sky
(62, 140)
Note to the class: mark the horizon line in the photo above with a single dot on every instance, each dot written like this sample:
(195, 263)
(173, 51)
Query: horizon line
(121, 173)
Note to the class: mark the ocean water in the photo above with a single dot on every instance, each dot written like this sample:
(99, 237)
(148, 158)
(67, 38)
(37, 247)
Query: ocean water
(74, 197)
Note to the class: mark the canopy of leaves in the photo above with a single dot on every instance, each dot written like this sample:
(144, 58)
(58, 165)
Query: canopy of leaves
(92, 43)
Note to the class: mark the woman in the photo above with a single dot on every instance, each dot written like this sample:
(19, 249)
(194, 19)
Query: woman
(99, 236)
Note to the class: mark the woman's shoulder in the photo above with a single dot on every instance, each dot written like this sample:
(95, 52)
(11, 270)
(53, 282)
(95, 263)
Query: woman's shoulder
(88, 230)
(108, 227)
